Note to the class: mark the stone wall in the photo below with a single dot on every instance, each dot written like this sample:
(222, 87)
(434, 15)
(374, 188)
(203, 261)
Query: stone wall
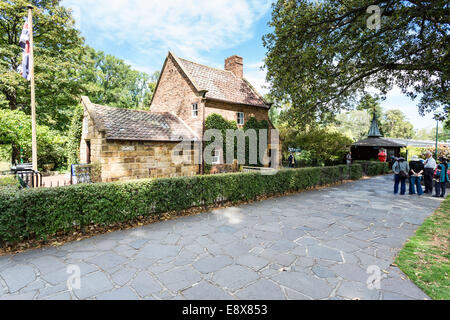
(127, 160)
(229, 111)
(123, 160)
(176, 94)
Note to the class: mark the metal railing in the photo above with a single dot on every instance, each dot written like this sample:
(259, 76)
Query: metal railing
(29, 179)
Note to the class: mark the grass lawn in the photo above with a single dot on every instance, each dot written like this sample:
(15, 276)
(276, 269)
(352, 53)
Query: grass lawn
(425, 258)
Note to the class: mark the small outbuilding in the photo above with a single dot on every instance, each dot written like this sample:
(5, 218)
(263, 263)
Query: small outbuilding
(132, 144)
(369, 148)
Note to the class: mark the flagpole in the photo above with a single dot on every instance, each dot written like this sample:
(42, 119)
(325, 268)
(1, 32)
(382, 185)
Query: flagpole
(33, 99)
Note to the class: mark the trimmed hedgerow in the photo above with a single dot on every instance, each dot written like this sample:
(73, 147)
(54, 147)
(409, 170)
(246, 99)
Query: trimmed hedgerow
(40, 213)
(356, 172)
(377, 168)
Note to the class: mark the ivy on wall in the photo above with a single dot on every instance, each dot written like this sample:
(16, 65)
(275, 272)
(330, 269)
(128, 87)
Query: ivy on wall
(74, 136)
(216, 121)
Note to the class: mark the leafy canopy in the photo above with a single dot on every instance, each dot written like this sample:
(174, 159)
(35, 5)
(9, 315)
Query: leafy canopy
(323, 57)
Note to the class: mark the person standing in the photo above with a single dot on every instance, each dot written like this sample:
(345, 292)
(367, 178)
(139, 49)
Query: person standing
(429, 166)
(415, 175)
(382, 155)
(292, 161)
(348, 159)
(441, 177)
(401, 169)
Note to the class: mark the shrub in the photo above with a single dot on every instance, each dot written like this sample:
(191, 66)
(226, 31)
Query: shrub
(377, 168)
(9, 182)
(39, 213)
(74, 137)
(356, 172)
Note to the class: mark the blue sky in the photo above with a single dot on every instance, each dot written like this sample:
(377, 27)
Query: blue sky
(141, 32)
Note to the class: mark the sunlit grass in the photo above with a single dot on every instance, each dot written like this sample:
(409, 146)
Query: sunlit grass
(425, 258)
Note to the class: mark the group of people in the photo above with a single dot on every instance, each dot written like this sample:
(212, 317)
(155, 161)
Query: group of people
(417, 169)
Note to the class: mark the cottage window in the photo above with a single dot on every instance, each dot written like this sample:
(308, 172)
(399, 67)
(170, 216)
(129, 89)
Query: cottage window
(216, 157)
(195, 110)
(240, 118)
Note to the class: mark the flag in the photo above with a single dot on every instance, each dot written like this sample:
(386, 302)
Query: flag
(24, 69)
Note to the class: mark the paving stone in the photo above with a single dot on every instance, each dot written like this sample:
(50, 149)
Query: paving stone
(304, 283)
(107, 260)
(303, 246)
(137, 244)
(124, 293)
(234, 277)
(276, 257)
(60, 296)
(61, 275)
(206, 291)
(52, 290)
(158, 251)
(394, 296)
(322, 272)
(294, 295)
(123, 276)
(92, 285)
(180, 278)
(402, 287)
(18, 276)
(251, 261)
(357, 290)
(105, 244)
(19, 296)
(322, 252)
(212, 264)
(261, 290)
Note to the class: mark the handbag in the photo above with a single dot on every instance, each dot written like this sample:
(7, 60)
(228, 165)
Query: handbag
(403, 174)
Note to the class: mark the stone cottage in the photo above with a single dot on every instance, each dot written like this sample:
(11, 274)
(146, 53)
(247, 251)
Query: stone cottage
(138, 144)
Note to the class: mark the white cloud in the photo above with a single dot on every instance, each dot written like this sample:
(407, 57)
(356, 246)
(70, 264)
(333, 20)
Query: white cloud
(186, 26)
(256, 76)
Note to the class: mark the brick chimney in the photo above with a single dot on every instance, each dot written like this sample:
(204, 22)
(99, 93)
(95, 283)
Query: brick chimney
(235, 64)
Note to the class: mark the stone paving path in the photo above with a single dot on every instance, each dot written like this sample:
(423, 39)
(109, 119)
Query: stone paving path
(312, 245)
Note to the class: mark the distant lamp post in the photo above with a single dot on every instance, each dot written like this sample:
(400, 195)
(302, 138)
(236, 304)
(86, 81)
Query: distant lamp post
(437, 136)
(438, 117)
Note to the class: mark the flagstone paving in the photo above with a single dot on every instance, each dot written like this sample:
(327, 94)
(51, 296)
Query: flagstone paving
(323, 244)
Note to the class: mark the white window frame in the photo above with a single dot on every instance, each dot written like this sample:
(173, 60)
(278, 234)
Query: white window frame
(241, 122)
(216, 157)
(195, 110)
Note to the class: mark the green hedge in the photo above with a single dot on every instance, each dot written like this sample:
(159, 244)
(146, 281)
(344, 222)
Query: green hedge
(39, 213)
(373, 168)
(356, 172)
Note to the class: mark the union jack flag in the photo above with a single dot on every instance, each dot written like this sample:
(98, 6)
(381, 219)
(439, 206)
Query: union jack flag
(24, 69)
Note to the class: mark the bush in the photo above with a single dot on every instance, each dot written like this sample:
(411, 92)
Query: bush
(373, 168)
(9, 182)
(356, 172)
(39, 213)
(74, 137)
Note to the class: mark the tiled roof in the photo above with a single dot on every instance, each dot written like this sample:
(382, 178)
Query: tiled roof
(134, 125)
(222, 85)
(378, 142)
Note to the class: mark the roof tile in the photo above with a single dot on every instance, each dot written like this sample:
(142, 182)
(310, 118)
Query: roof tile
(136, 125)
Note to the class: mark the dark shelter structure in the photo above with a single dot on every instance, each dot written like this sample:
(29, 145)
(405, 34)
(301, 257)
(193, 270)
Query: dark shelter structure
(369, 148)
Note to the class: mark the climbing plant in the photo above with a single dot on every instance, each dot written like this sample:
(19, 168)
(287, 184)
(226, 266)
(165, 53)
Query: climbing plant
(74, 136)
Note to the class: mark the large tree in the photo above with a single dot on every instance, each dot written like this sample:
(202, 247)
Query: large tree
(394, 124)
(58, 52)
(58, 56)
(113, 82)
(324, 55)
